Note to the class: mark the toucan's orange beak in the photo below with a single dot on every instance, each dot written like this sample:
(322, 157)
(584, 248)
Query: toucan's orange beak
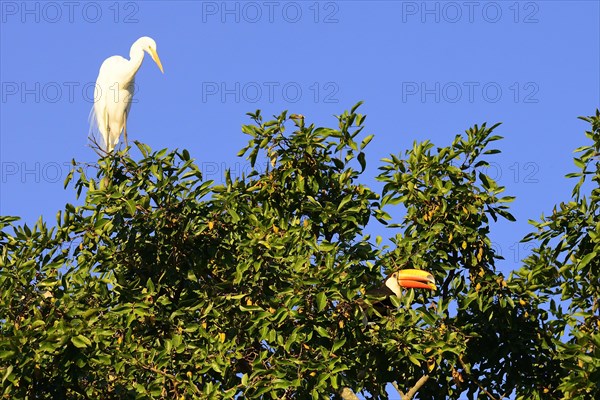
(416, 279)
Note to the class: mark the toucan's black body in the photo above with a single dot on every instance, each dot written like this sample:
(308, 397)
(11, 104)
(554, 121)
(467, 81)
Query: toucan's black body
(383, 306)
(383, 292)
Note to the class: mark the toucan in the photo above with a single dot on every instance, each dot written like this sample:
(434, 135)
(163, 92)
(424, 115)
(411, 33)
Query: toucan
(393, 284)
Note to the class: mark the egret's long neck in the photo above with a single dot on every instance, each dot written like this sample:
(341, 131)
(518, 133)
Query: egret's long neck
(136, 56)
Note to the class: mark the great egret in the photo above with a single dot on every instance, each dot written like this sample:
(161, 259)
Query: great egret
(114, 91)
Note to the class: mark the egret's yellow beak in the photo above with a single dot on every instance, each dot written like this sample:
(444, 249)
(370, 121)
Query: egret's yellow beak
(154, 56)
(416, 278)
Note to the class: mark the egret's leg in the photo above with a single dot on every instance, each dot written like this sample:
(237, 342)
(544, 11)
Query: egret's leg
(109, 145)
(125, 131)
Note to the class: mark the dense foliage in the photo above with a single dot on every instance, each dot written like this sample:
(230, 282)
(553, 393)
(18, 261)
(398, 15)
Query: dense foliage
(162, 285)
(563, 276)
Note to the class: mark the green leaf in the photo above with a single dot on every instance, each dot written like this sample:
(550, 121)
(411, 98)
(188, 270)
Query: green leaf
(484, 180)
(366, 141)
(322, 331)
(585, 260)
(344, 201)
(7, 373)
(80, 341)
(337, 344)
(150, 286)
(362, 161)
(131, 206)
(321, 301)
(579, 163)
(414, 360)
(355, 107)
(37, 324)
(235, 218)
(493, 151)
(6, 354)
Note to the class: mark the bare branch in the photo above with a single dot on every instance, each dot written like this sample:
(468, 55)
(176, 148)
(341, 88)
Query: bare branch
(97, 147)
(400, 392)
(348, 394)
(488, 394)
(413, 390)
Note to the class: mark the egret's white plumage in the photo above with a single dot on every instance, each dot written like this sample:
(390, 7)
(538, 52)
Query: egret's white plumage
(114, 91)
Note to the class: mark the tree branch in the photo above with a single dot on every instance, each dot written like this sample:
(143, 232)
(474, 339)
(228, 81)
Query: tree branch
(488, 394)
(413, 390)
(400, 392)
(446, 284)
(348, 394)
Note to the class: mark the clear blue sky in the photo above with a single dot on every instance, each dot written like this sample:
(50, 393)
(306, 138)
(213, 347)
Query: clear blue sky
(426, 70)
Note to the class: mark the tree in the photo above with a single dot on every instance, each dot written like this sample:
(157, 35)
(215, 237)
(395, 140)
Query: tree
(563, 276)
(162, 285)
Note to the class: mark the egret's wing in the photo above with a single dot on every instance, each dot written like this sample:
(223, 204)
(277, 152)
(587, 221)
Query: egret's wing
(128, 100)
(94, 135)
(98, 134)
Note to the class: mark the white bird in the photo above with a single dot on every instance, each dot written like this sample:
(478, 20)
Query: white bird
(114, 91)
